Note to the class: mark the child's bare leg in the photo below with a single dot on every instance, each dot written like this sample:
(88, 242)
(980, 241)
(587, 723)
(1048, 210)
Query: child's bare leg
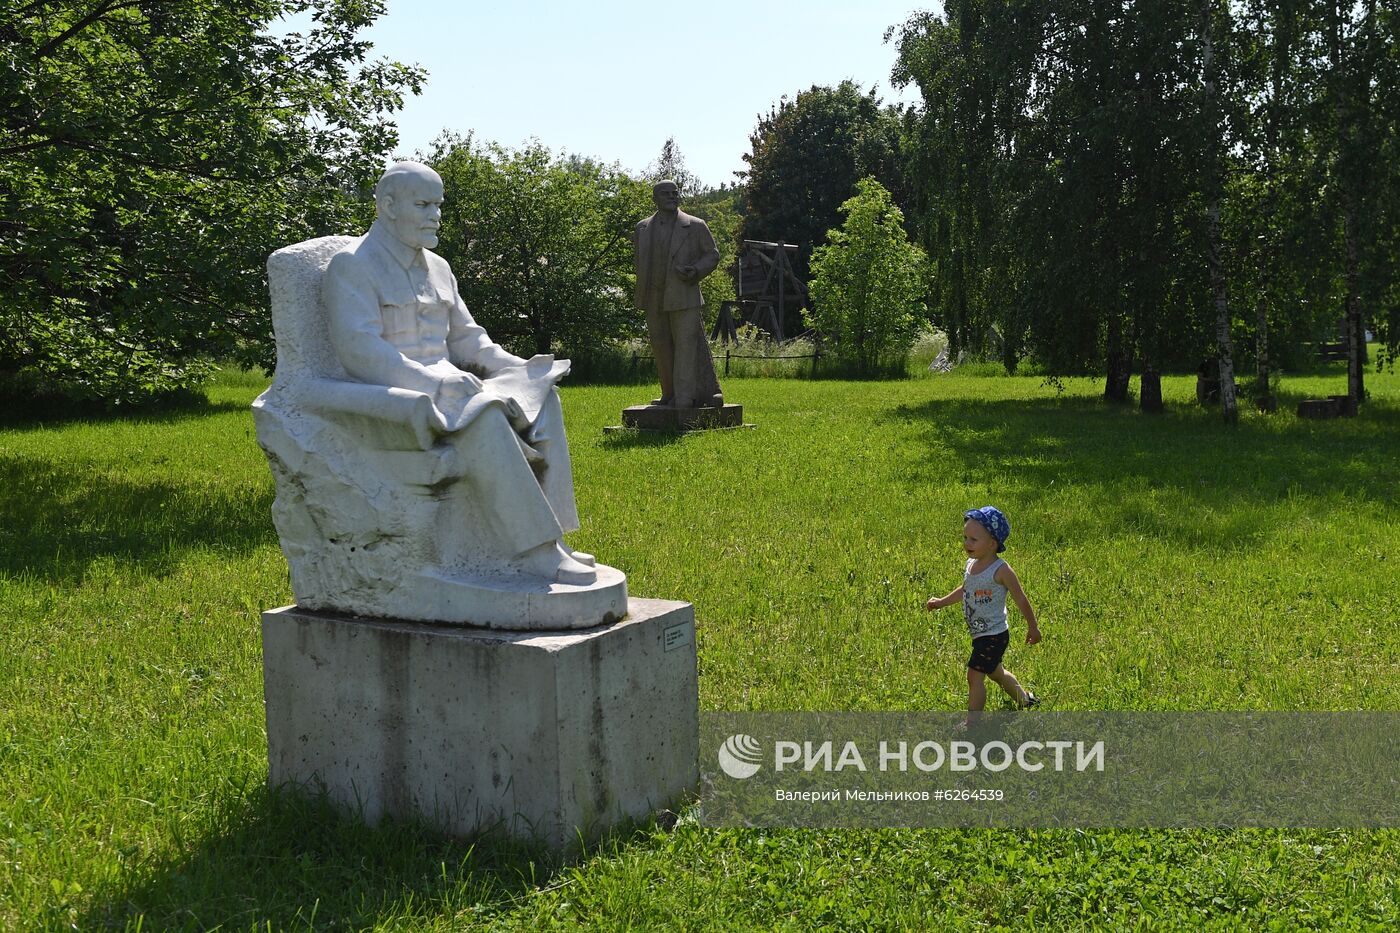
(976, 694)
(1008, 682)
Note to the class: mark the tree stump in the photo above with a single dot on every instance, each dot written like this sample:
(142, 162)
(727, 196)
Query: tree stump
(1208, 383)
(1150, 394)
(1318, 408)
(1345, 407)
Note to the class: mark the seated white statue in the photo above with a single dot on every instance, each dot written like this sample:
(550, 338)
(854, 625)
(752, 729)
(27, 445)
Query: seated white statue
(422, 470)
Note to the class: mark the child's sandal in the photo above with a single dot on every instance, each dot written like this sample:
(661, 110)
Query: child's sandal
(1032, 701)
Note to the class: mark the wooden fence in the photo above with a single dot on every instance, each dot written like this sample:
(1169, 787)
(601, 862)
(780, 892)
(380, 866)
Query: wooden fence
(814, 356)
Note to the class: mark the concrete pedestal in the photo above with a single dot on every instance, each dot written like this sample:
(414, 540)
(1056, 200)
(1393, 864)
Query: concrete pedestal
(666, 418)
(544, 735)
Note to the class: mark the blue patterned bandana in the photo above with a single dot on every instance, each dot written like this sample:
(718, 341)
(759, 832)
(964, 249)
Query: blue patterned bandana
(991, 518)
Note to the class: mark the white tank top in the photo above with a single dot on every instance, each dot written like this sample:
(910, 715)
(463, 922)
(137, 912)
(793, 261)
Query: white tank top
(984, 600)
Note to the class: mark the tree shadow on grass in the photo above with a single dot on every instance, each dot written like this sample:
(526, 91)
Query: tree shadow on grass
(282, 860)
(1184, 475)
(55, 521)
(48, 417)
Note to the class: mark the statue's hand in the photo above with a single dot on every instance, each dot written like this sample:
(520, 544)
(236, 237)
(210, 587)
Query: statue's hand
(454, 389)
(494, 359)
(468, 382)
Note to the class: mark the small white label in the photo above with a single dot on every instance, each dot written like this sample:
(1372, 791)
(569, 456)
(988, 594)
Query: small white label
(676, 636)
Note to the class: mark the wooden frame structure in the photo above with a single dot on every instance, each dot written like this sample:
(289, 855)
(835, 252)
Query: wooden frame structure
(769, 292)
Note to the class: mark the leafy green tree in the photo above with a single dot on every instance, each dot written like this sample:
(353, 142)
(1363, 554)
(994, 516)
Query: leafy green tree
(541, 245)
(670, 166)
(868, 283)
(974, 69)
(1321, 179)
(807, 155)
(1050, 180)
(1120, 186)
(1055, 163)
(1213, 183)
(1359, 61)
(151, 156)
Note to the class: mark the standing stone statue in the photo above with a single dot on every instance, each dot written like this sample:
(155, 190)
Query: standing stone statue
(422, 471)
(674, 251)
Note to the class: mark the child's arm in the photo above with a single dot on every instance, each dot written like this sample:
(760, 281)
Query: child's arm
(935, 602)
(1007, 578)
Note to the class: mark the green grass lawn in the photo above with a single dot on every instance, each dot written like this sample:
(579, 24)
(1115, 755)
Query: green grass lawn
(1176, 563)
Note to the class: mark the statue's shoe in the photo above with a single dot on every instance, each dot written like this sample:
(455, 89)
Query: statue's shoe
(553, 562)
(588, 560)
(575, 573)
(708, 401)
(664, 400)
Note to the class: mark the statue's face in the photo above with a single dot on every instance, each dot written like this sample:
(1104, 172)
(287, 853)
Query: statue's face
(666, 197)
(414, 210)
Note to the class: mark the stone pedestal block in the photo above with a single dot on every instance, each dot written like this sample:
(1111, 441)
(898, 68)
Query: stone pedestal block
(666, 418)
(544, 735)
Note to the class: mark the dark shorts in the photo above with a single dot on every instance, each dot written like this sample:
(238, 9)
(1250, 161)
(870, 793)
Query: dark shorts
(987, 651)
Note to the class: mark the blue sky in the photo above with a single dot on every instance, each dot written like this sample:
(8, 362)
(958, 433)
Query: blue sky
(612, 79)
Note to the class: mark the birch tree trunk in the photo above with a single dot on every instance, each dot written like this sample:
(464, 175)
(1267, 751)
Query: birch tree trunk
(1344, 110)
(1229, 405)
(1120, 370)
(1273, 155)
(1262, 390)
(1356, 334)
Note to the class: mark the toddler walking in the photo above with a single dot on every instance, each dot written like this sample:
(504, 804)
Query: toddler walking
(987, 581)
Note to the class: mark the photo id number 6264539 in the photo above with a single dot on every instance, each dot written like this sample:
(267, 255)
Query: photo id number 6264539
(964, 793)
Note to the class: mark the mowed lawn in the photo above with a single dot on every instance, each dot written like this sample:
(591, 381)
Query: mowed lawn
(1176, 564)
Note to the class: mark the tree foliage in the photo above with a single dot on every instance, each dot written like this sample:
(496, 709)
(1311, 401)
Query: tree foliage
(1050, 161)
(805, 158)
(868, 284)
(1125, 186)
(541, 245)
(151, 156)
(670, 166)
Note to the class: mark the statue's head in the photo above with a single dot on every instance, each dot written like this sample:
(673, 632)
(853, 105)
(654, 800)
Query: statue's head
(666, 195)
(408, 201)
